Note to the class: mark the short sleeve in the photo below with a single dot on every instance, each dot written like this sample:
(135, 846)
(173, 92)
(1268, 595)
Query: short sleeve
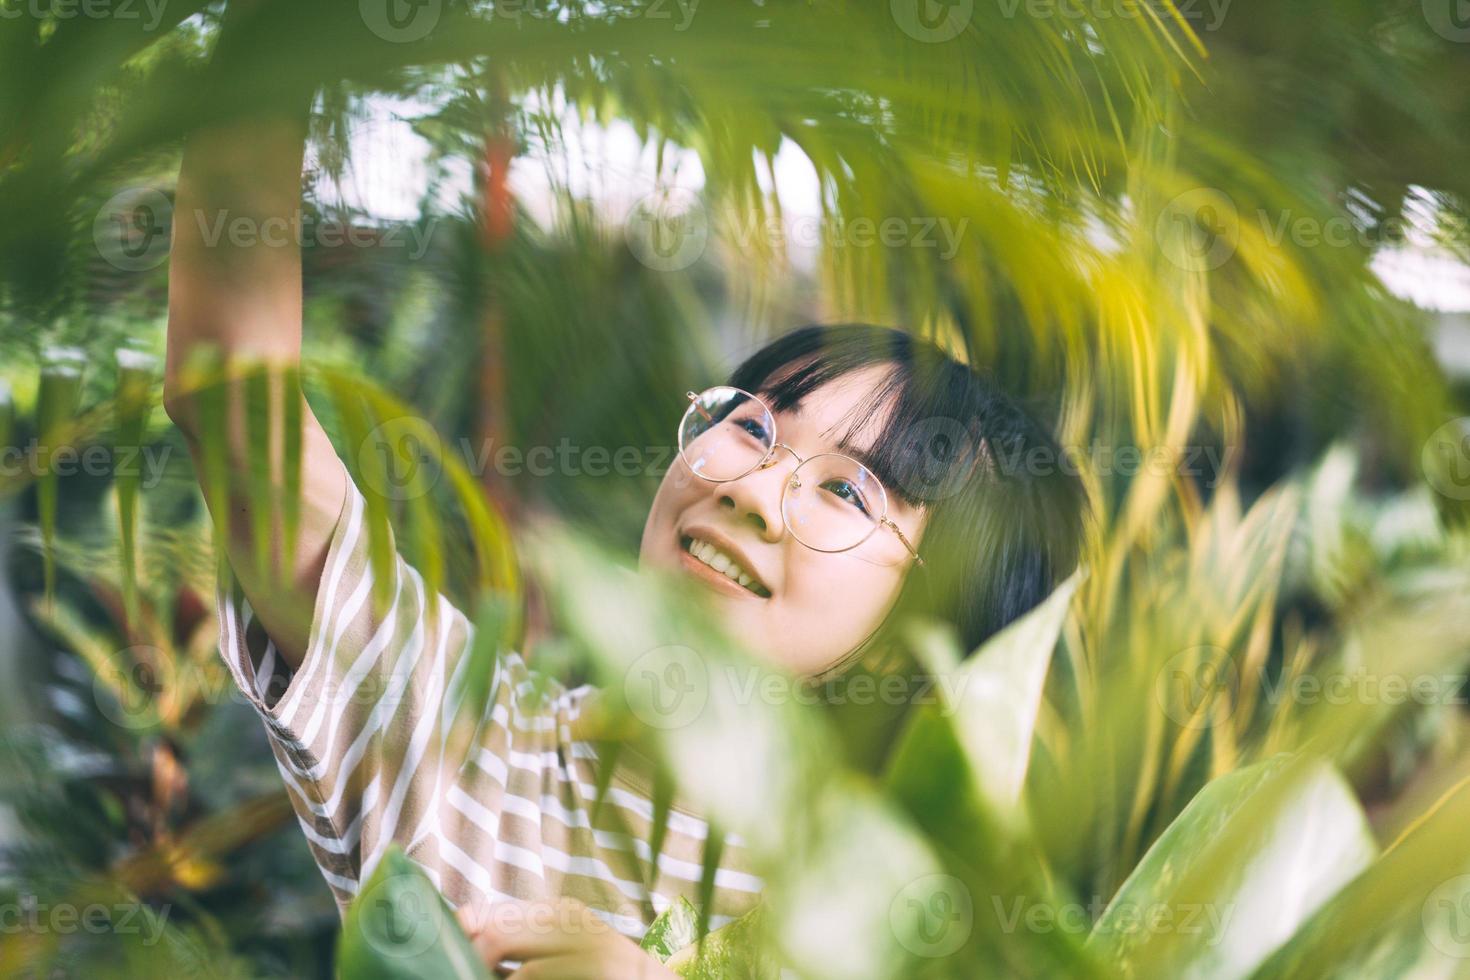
(397, 727)
(362, 730)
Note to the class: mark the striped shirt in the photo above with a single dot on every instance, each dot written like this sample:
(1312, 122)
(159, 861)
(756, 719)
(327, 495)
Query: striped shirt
(365, 735)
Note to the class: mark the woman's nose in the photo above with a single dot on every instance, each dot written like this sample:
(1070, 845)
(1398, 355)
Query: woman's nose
(755, 498)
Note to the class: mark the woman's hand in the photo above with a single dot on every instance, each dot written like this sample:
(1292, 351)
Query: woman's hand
(559, 940)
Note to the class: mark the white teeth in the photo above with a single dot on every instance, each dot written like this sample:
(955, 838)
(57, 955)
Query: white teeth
(722, 563)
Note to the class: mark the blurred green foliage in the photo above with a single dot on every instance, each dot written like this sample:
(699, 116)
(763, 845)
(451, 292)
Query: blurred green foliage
(1146, 202)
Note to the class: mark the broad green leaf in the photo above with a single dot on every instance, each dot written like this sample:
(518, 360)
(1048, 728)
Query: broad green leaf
(987, 709)
(1252, 856)
(999, 693)
(855, 903)
(732, 952)
(672, 931)
(399, 927)
(721, 735)
(1405, 916)
(960, 766)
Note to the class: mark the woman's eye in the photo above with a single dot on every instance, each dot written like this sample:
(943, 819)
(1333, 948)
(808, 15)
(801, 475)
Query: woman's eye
(753, 427)
(844, 490)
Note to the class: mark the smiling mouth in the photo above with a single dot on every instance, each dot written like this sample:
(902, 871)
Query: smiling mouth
(723, 563)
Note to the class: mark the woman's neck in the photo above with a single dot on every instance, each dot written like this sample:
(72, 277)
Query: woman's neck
(867, 702)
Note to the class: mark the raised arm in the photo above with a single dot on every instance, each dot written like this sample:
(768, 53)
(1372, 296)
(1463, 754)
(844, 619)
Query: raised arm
(240, 300)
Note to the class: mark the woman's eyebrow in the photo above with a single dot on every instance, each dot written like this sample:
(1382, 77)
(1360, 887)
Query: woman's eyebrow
(864, 456)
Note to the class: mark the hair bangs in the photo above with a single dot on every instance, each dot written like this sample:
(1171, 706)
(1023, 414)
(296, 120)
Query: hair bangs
(908, 429)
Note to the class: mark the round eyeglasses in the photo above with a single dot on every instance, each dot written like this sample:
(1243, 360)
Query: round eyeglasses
(831, 502)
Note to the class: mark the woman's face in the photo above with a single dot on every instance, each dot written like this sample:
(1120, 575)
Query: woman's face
(820, 606)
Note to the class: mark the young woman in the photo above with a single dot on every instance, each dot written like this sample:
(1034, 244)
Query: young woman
(844, 478)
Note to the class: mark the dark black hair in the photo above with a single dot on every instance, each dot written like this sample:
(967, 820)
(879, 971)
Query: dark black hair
(1005, 519)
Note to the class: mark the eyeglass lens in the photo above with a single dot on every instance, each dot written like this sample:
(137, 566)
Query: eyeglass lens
(831, 502)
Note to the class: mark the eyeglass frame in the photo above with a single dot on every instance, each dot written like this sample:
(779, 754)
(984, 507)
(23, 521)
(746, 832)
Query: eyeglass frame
(770, 460)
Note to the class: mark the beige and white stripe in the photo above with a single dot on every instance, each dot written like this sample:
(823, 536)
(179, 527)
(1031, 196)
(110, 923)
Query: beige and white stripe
(375, 744)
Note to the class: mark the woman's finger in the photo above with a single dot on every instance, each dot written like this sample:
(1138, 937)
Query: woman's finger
(472, 917)
(534, 930)
(569, 966)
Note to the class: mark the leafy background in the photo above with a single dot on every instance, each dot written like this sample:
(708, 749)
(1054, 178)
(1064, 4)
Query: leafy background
(1146, 193)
